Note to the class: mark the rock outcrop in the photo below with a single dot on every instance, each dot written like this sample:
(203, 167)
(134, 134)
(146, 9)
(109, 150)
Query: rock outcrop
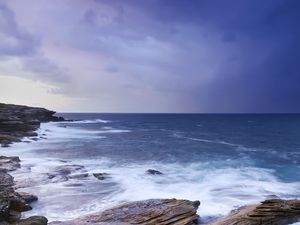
(148, 212)
(33, 220)
(269, 212)
(11, 203)
(18, 121)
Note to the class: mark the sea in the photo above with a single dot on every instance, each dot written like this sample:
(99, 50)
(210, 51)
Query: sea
(223, 160)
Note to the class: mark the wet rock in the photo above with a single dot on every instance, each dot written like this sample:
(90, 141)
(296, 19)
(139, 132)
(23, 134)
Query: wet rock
(4, 206)
(13, 216)
(66, 172)
(154, 172)
(17, 203)
(33, 220)
(28, 198)
(9, 163)
(271, 211)
(10, 200)
(148, 212)
(101, 176)
(6, 180)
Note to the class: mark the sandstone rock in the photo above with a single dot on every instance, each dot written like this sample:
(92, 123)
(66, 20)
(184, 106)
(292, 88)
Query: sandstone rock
(154, 172)
(149, 212)
(269, 212)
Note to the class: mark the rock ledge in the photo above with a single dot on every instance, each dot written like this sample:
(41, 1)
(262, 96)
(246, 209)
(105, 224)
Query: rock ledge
(148, 212)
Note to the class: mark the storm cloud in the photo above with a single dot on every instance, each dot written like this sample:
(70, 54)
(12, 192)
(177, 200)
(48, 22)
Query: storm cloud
(159, 55)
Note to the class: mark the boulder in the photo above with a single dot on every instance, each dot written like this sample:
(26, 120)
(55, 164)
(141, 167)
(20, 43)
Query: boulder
(17, 203)
(28, 198)
(269, 212)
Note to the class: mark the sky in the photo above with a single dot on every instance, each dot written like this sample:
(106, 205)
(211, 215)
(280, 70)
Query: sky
(195, 56)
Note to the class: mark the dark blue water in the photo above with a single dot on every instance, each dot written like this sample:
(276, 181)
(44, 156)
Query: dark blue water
(267, 141)
(223, 160)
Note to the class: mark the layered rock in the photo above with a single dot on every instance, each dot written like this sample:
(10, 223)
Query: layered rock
(148, 212)
(269, 212)
(11, 203)
(18, 121)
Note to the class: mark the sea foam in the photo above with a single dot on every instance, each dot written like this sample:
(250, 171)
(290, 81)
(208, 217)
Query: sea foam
(219, 187)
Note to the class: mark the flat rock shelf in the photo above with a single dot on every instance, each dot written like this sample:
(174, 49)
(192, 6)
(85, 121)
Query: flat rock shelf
(148, 212)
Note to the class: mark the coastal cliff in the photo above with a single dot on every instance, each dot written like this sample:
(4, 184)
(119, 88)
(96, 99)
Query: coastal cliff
(17, 121)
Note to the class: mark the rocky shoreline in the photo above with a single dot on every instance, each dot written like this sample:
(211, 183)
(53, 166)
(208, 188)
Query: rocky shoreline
(13, 203)
(17, 122)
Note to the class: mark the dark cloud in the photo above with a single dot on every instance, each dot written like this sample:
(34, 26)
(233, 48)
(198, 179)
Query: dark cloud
(263, 73)
(270, 73)
(204, 55)
(14, 41)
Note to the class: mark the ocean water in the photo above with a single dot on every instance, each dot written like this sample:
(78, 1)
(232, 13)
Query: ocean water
(225, 161)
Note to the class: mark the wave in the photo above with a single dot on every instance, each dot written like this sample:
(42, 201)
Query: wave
(89, 121)
(238, 146)
(220, 190)
(113, 131)
(221, 187)
(213, 141)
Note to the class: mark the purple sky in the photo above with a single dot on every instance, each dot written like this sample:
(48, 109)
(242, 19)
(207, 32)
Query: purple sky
(151, 55)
